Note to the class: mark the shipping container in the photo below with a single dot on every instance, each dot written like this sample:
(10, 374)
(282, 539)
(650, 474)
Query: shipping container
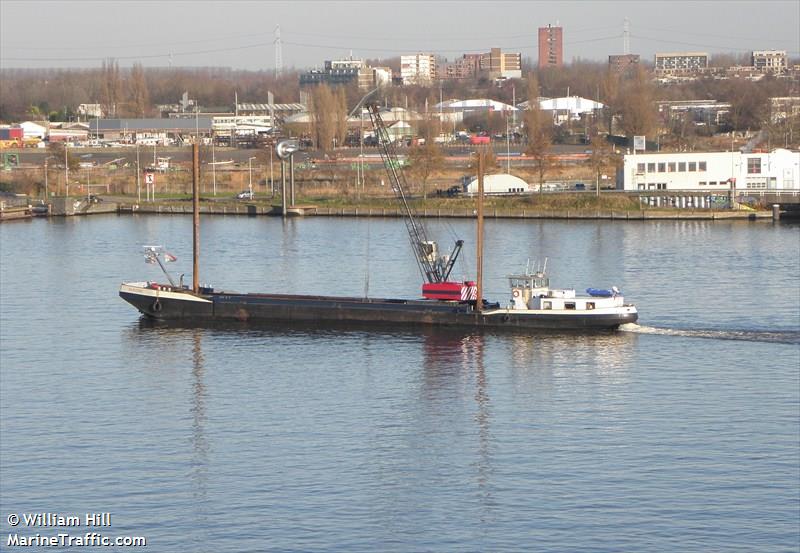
(11, 133)
(479, 140)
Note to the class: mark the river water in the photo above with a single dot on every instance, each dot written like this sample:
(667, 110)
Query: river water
(681, 433)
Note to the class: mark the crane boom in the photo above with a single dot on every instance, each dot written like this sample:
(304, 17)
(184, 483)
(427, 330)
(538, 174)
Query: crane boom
(434, 269)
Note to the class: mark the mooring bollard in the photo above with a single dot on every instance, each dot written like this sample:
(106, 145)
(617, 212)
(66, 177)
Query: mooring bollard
(776, 212)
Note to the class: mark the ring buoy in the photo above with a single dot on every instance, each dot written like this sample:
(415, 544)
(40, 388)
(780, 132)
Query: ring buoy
(156, 306)
(515, 293)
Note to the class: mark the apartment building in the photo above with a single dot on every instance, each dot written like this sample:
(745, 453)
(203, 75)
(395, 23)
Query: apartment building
(677, 63)
(769, 61)
(418, 68)
(551, 47)
(622, 63)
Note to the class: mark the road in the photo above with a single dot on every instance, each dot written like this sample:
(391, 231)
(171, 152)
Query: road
(340, 157)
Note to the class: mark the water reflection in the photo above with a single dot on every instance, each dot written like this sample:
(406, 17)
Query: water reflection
(457, 359)
(199, 472)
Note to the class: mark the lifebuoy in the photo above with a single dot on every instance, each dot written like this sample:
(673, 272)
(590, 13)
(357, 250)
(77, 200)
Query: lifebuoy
(515, 293)
(156, 306)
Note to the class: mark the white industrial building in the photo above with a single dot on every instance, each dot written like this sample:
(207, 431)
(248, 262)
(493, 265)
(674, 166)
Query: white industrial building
(712, 171)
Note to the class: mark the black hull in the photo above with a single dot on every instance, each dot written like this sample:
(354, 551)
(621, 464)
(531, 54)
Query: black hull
(217, 307)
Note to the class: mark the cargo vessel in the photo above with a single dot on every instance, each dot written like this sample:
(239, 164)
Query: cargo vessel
(531, 303)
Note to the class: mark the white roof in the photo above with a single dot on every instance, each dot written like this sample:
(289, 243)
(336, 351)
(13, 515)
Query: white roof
(497, 183)
(573, 104)
(475, 103)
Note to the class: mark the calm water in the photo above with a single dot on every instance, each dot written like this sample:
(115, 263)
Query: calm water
(682, 434)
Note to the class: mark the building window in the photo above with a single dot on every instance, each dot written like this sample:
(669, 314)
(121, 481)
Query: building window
(651, 167)
(671, 167)
(682, 167)
(753, 165)
(640, 167)
(662, 167)
(692, 166)
(701, 165)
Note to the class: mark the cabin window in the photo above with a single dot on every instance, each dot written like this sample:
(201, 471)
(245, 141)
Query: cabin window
(662, 167)
(701, 165)
(547, 305)
(640, 167)
(753, 165)
(589, 305)
(569, 305)
(692, 166)
(671, 167)
(702, 183)
(681, 166)
(651, 167)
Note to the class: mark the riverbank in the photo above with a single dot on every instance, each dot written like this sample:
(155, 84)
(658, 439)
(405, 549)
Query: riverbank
(609, 206)
(492, 213)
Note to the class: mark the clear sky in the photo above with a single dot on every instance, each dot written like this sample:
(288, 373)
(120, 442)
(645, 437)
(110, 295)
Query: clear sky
(241, 34)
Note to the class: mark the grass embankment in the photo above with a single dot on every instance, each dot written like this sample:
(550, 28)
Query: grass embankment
(545, 202)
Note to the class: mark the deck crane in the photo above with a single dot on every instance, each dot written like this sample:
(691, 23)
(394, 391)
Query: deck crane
(435, 269)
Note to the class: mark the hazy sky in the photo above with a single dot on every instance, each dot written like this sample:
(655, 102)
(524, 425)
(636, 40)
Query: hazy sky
(240, 34)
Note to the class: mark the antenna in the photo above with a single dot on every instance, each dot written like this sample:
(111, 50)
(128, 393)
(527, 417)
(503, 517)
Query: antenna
(626, 37)
(278, 51)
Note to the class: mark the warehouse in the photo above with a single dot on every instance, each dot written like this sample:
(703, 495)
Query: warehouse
(712, 171)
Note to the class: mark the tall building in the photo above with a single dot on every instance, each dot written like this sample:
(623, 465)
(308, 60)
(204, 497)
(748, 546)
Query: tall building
(769, 60)
(496, 65)
(465, 67)
(551, 50)
(620, 63)
(681, 62)
(418, 68)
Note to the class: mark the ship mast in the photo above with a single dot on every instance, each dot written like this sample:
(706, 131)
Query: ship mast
(196, 217)
(479, 248)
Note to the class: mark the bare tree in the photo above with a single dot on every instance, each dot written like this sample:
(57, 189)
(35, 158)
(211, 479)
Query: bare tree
(600, 159)
(423, 161)
(636, 105)
(538, 128)
(111, 86)
(323, 109)
(139, 93)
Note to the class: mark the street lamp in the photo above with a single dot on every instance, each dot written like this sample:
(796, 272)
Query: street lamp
(213, 164)
(250, 170)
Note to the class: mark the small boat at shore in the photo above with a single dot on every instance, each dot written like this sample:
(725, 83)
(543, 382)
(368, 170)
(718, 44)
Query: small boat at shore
(532, 303)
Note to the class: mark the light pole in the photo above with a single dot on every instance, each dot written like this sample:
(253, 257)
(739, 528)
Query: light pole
(250, 171)
(66, 171)
(138, 176)
(271, 178)
(45, 178)
(213, 165)
(508, 148)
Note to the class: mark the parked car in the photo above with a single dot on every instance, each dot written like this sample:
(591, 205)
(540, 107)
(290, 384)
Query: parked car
(245, 195)
(580, 186)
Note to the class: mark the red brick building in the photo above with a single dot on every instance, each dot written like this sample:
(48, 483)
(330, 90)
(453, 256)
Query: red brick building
(551, 51)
